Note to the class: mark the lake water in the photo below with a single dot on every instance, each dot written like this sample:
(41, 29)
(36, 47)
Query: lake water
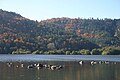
(15, 67)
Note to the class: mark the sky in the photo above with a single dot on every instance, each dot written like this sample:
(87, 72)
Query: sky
(46, 9)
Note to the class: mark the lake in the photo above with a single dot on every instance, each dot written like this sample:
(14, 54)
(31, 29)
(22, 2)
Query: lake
(74, 67)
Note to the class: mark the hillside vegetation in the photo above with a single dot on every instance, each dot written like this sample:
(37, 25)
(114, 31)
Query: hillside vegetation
(19, 35)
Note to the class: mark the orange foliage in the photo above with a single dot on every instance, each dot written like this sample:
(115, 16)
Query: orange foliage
(19, 40)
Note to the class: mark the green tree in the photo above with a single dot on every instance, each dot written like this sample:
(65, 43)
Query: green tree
(85, 52)
(67, 52)
(95, 52)
(111, 51)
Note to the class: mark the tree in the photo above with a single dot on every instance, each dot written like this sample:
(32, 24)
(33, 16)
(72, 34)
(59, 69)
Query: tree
(21, 51)
(51, 46)
(85, 52)
(36, 52)
(111, 51)
(95, 52)
(67, 52)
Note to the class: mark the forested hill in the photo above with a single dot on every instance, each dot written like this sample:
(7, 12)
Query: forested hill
(21, 35)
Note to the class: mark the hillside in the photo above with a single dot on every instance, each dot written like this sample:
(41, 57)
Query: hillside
(21, 35)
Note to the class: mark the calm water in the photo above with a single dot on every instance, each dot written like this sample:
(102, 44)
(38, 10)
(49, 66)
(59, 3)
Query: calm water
(15, 67)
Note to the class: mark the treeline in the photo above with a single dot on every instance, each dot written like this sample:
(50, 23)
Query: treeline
(72, 36)
(100, 51)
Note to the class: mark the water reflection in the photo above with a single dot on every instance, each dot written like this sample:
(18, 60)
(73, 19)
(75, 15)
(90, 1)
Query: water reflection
(72, 71)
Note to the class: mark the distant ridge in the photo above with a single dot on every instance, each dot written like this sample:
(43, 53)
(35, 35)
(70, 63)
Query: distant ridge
(72, 34)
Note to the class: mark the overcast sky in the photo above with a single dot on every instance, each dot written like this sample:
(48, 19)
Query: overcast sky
(46, 9)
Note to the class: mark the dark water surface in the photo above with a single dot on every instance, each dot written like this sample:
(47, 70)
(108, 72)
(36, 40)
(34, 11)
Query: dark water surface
(15, 67)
